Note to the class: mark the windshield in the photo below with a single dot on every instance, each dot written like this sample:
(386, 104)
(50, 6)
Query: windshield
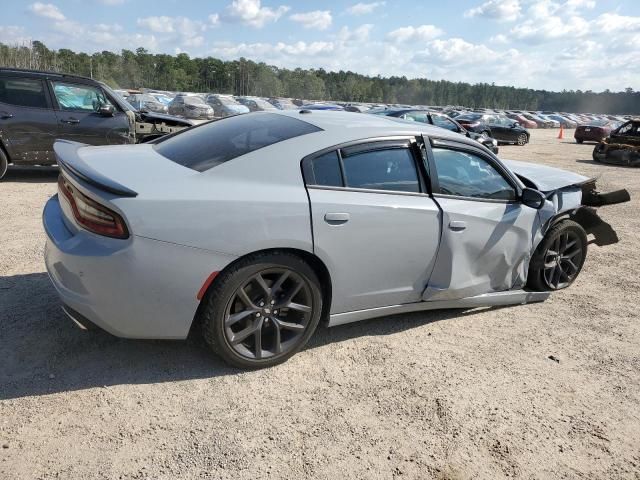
(194, 101)
(227, 101)
(468, 117)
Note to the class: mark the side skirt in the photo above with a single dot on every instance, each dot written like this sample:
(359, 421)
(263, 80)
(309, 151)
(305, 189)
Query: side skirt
(512, 297)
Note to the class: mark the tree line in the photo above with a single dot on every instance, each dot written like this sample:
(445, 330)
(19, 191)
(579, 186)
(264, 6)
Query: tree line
(139, 68)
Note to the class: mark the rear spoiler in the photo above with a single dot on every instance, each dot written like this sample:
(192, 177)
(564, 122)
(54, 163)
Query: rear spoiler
(68, 159)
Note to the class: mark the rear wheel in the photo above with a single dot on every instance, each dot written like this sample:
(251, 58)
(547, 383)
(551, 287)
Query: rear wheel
(4, 164)
(559, 258)
(263, 310)
(522, 139)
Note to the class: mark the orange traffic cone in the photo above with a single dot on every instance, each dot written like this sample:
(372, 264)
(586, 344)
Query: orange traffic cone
(561, 134)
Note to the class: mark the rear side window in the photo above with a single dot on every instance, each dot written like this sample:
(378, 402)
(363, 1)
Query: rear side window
(24, 92)
(326, 170)
(214, 143)
(388, 169)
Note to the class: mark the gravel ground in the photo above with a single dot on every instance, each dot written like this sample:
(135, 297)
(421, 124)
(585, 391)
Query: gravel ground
(445, 395)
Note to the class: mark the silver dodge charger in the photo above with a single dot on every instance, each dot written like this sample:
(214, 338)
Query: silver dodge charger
(253, 229)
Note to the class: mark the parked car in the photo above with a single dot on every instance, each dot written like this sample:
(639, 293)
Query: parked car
(283, 103)
(500, 127)
(506, 130)
(564, 121)
(255, 104)
(225, 105)
(552, 122)
(253, 228)
(595, 131)
(439, 120)
(474, 122)
(147, 103)
(525, 122)
(38, 107)
(191, 106)
(162, 98)
(622, 147)
(541, 122)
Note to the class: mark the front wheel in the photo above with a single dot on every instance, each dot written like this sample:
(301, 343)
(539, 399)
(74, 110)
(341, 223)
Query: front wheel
(522, 139)
(559, 258)
(262, 310)
(4, 164)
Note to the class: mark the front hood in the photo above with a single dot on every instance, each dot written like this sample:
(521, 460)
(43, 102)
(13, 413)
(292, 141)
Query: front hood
(150, 116)
(546, 179)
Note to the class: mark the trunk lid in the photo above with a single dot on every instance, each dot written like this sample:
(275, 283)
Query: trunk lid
(122, 170)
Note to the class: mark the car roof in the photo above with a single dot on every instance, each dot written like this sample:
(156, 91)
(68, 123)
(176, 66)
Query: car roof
(45, 74)
(341, 127)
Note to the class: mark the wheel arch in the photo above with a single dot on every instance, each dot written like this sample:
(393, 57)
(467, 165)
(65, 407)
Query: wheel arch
(588, 219)
(317, 265)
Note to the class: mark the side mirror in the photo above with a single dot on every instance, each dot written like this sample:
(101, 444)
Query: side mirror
(106, 110)
(532, 198)
(515, 124)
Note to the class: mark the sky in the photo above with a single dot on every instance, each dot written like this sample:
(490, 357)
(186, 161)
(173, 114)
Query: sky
(541, 44)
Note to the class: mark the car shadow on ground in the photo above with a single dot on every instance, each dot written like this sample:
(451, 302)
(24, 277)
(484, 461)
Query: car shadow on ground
(31, 174)
(43, 352)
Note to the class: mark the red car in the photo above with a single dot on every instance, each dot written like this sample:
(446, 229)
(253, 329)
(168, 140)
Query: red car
(525, 122)
(595, 131)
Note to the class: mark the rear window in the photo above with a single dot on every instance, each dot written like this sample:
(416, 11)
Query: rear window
(214, 143)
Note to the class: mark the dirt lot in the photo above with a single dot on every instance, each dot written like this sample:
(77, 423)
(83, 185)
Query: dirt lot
(444, 395)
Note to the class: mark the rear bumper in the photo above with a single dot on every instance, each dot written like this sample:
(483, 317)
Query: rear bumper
(134, 288)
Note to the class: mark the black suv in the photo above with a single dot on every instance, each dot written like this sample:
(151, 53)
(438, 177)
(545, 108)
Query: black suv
(36, 108)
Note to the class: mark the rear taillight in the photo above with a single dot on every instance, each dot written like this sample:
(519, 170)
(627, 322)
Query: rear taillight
(90, 214)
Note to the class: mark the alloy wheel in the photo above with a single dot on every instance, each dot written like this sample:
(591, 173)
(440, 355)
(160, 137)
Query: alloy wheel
(268, 314)
(522, 139)
(562, 260)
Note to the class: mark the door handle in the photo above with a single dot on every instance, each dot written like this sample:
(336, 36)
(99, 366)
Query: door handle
(71, 121)
(335, 218)
(457, 225)
(5, 115)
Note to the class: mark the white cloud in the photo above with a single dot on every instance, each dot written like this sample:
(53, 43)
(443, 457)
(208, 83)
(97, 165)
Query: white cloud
(552, 28)
(318, 19)
(613, 23)
(573, 7)
(13, 35)
(501, 10)
(250, 12)
(46, 10)
(214, 19)
(360, 34)
(364, 8)
(412, 34)
(112, 2)
(161, 24)
(499, 38)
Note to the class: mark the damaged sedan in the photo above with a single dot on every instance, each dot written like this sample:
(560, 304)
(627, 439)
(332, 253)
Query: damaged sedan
(253, 229)
(621, 147)
(36, 108)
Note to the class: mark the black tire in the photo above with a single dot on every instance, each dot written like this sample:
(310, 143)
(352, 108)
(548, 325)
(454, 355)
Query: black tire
(522, 139)
(4, 164)
(275, 325)
(548, 271)
(579, 140)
